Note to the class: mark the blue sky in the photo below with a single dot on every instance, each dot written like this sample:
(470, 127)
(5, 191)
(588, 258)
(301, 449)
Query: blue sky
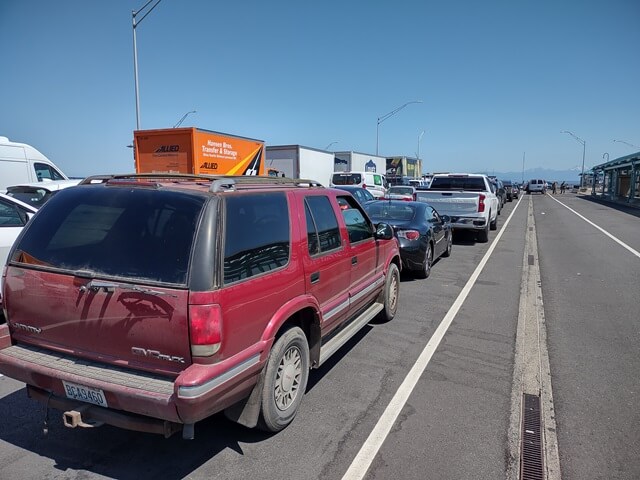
(496, 78)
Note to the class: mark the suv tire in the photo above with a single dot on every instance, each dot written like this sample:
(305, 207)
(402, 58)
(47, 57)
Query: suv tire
(285, 380)
(390, 299)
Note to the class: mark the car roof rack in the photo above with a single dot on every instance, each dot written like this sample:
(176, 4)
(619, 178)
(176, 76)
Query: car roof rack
(219, 183)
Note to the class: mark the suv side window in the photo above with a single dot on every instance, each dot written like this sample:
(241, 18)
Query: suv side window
(257, 235)
(323, 233)
(358, 226)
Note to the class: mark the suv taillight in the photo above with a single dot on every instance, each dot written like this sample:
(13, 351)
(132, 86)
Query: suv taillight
(481, 203)
(364, 186)
(205, 329)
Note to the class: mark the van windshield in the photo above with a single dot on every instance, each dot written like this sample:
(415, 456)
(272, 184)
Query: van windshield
(114, 231)
(347, 179)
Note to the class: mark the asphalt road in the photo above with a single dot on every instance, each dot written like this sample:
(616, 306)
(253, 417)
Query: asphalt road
(454, 424)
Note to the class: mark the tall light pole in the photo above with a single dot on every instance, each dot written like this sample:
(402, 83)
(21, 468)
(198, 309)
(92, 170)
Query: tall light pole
(419, 139)
(579, 140)
(134, 14)
(332, 143)
(390, 114)
(183, 118)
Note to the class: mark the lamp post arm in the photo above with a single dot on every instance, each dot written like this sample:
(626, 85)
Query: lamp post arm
(393, 112)
(147, 13)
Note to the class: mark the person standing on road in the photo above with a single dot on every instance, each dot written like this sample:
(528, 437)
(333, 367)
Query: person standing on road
(554, 186)
(562, 187)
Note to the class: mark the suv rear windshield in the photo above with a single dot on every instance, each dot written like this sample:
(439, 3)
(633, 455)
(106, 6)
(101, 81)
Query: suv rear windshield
(114, 231)
(458, 183)
(34, 196)
(347, 178)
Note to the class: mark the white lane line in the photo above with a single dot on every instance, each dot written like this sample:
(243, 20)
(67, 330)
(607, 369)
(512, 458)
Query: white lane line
(371, 446)
(632, 250)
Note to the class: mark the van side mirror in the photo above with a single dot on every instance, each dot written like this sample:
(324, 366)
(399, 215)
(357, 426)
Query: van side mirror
(384, 231)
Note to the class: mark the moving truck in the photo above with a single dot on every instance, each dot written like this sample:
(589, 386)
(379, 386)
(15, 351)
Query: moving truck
(296, 161)
(363, 162)
(197, 151)
(21, 163)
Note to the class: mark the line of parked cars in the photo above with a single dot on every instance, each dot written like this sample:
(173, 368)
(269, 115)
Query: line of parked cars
(180, 296)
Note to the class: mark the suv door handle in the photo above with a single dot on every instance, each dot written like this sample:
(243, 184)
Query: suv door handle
(354, 260)
(315, 277)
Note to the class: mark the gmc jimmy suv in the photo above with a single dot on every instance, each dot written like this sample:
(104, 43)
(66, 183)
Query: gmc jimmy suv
(150, 302)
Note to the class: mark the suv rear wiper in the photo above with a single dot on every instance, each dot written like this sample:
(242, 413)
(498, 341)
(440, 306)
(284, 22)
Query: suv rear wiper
(97, 285)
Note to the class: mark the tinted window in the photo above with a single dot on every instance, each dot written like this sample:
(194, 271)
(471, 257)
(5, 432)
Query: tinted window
(377, 180)
(115, 231)
(347, 178)
(257, 238)
(392, 211)
(458, 183)
(32, 195)
(10, 215)
(357, 224)
(325, 225)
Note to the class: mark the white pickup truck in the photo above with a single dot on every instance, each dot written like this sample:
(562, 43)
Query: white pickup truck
(469, 199)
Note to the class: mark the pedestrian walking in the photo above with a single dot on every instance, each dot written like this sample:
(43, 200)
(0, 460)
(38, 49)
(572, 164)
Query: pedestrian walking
(562, 187)
(554, 186)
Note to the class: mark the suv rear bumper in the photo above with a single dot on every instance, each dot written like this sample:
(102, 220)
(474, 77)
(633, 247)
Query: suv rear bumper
(130, 394)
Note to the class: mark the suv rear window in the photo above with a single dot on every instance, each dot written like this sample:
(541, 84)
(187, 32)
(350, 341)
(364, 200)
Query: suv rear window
(347, 179)
(114, 231)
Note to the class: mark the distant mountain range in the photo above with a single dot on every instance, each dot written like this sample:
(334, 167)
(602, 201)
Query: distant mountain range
(569, 176)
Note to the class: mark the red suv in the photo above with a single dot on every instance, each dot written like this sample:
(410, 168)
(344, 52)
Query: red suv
(150, 302)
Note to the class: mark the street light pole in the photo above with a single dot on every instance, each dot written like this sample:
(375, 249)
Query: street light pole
(134, 13)
(332, 143)
(419, 139)
(579, 140)
(627, 143)
(390, 114)
(183, 118)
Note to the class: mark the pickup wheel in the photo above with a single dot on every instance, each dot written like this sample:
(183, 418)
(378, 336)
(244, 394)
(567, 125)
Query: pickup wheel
(391, 289)
(285, 380)
(483, 235)
(428, 261)
(494, 225)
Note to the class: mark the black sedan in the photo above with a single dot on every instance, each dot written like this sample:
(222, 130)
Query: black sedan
(362, 195)
(423, 233)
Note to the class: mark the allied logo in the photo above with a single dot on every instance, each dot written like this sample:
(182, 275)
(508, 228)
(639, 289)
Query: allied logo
(168, 148)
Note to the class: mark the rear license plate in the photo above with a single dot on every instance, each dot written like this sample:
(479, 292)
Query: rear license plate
(85, 394)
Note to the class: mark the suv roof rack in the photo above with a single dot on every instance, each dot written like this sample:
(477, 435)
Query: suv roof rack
(218, 182)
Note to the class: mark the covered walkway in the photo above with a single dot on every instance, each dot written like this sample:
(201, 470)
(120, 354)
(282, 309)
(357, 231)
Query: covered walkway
(618, 180)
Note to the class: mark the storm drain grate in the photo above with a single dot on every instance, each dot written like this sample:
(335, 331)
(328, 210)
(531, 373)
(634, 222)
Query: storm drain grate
(531, 461)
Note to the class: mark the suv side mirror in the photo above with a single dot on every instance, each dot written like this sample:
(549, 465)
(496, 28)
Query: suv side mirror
(384, 231)
(445, 218)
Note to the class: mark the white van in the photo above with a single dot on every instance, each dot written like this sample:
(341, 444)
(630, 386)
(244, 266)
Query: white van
(21, 163)
(376, 183)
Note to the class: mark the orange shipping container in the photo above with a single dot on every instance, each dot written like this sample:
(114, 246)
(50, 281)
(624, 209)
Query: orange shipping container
(196, 151)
